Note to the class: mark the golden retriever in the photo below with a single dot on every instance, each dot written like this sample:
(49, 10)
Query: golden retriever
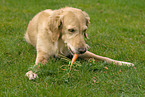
(61, 31)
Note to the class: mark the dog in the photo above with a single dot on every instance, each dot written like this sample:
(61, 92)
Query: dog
(61, 31)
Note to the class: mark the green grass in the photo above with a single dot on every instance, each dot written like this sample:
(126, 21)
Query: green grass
(117, 31)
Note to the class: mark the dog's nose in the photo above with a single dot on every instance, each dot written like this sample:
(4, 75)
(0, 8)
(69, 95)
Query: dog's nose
(82, 50)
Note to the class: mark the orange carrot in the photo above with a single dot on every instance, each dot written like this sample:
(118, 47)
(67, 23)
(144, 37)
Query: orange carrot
(74, 58)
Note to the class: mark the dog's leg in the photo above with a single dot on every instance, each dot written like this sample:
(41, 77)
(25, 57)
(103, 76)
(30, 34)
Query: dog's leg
(88, 55)
(42, 57)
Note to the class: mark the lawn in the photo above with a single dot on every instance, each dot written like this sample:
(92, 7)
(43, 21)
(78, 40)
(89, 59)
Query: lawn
(117, 31)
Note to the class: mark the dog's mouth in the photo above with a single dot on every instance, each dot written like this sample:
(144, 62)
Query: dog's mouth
(71, 51)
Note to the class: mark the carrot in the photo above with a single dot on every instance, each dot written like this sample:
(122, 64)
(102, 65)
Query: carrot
(74, 58)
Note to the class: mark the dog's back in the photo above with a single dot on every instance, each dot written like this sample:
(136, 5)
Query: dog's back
(32, 29)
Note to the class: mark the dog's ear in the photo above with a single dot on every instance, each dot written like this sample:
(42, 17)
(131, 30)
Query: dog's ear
(87, 18)
(87, 22)
(55, 25)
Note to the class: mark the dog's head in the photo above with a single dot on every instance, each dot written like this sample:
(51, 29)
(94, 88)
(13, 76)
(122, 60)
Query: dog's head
(71, 26)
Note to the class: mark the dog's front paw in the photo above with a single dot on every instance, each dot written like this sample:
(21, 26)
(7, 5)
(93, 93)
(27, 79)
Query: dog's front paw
(31, 75)
(125, 63)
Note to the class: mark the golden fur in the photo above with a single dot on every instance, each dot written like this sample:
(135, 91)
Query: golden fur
(49, 32)
(61, 31)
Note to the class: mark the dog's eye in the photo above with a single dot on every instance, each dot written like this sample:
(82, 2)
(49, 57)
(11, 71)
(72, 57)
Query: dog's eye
(71, 30)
